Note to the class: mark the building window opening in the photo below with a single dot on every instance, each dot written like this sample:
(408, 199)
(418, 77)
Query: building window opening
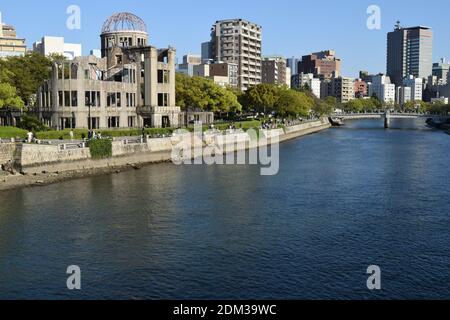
(74, 95)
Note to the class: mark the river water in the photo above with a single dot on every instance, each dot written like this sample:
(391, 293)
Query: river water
(344, 199)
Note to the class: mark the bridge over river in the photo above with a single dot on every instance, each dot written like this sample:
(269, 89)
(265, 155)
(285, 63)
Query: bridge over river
(387, 116)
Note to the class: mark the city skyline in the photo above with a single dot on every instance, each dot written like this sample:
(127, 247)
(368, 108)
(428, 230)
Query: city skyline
(278, 34)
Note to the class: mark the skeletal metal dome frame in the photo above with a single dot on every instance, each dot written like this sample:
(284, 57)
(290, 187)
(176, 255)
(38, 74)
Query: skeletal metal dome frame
(124, 21)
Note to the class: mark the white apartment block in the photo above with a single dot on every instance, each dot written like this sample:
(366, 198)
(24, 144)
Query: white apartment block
(50, 45)
(416, 85)
(382, 87)
(288, 77)
(302, 79)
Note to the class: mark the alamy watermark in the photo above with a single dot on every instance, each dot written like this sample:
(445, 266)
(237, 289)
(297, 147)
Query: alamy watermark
(234, 147)
(374, 19)
(74, 280)
(374, 280)
(73, 22)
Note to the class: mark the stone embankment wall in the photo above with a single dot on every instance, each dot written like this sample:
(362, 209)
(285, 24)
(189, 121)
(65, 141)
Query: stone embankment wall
(33, 158)
(7, 151)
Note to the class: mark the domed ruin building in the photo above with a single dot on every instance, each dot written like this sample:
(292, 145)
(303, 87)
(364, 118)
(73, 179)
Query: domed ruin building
(131, 86)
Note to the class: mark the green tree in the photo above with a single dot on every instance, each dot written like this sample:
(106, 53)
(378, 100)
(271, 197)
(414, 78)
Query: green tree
(31, 123)
(262, 97)
(293, 103)
(204, 94)
(9, 97)
(417, 105)
(322, 108)
(26, 74)
(355, 105)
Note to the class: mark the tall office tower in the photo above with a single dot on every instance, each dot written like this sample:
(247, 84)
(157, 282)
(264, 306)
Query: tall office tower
(324, 65)
(189, 62)
(293, 64)
(239, 41)
(206, 52)
(409, 52)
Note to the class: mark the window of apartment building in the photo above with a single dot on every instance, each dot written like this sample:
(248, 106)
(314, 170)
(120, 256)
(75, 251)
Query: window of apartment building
(74, 95)
(163, 99)
(131, 122)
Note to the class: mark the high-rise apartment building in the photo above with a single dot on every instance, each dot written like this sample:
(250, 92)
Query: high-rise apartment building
(238, 41)
(343, 89)
(10, 45)
(409, 52)
(274, 70)
(324, 65)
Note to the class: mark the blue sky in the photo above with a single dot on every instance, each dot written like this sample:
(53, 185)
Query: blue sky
(290, 27)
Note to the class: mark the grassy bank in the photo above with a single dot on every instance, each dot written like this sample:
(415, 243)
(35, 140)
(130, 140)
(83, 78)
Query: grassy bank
(12, 132)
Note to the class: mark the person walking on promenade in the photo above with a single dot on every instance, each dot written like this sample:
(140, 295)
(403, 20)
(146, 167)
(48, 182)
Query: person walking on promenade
(29, 136)
(71, 135)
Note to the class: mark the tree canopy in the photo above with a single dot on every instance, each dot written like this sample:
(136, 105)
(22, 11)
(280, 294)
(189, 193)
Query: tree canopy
(204, 94)
(419, 106)
(9, 97)
(25, 73)
(270, 98)
(359, 105)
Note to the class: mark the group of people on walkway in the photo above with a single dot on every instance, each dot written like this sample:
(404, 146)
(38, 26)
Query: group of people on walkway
(92, 135)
